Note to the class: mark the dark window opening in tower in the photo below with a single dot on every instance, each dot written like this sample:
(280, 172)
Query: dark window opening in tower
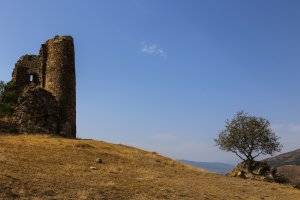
(31, 78)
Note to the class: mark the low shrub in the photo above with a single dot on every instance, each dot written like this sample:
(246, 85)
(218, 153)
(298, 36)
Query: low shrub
(9, 94)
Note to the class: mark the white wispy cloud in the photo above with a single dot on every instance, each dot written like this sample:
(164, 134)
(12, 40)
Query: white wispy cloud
(295, 128)
(153, 49)
(286, 128)
(289, 134)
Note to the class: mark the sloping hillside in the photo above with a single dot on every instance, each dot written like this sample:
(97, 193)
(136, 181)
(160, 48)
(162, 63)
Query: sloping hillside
(292, 172)
(43, 167)
(288, 164)
(290, 158)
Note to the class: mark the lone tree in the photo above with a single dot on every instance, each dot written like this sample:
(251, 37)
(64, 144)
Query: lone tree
(248, 137)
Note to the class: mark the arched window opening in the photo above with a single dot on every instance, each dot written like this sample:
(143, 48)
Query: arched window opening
(31, 78)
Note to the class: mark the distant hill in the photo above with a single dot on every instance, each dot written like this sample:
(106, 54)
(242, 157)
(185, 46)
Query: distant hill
(44, 167)
(289, 158)
(214, 167)
(287, 164)
(292, 172)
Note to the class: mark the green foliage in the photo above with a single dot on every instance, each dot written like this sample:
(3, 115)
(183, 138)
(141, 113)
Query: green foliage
(248, 137)
(9, 94)
(2, 86)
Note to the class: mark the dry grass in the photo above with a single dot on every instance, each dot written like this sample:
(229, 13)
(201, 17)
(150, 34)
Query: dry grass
(43, 167)
(292, 172)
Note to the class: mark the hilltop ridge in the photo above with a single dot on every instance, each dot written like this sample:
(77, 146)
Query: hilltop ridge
(46, 167)
(287, 164)
(289, 158)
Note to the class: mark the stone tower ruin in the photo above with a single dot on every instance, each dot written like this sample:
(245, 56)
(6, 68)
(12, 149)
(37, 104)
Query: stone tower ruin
(48, 101)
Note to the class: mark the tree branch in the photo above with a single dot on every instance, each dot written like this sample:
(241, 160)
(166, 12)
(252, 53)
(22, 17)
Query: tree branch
(258, 154)
(239, 155)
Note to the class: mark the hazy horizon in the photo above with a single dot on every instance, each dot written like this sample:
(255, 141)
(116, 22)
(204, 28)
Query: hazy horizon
(165, 75)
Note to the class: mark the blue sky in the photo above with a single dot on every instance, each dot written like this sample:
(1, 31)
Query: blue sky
(164, 75)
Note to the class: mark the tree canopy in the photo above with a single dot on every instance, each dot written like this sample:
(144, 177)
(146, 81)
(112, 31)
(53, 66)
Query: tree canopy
(248, 137)
(9, 94)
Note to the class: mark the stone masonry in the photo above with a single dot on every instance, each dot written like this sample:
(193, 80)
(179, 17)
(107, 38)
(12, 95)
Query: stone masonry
(48, 101)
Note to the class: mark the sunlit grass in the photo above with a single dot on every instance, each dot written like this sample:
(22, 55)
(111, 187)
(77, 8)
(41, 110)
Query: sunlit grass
(45, 167)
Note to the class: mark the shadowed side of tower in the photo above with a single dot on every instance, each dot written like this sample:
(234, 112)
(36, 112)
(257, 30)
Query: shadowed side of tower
(57, 75)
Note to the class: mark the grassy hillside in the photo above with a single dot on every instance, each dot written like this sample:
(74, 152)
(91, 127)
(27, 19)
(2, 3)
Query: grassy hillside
(288, 164)
(290, 158)
(43, 167)
(292, 172)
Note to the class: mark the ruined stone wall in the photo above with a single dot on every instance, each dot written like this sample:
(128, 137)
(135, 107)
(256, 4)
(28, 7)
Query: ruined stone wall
(53, 71)
(42, 65)
(59, 79)
(25, 67)
(37, 111)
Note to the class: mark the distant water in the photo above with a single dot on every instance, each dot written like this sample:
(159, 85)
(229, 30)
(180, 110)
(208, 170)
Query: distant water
(213, 167)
